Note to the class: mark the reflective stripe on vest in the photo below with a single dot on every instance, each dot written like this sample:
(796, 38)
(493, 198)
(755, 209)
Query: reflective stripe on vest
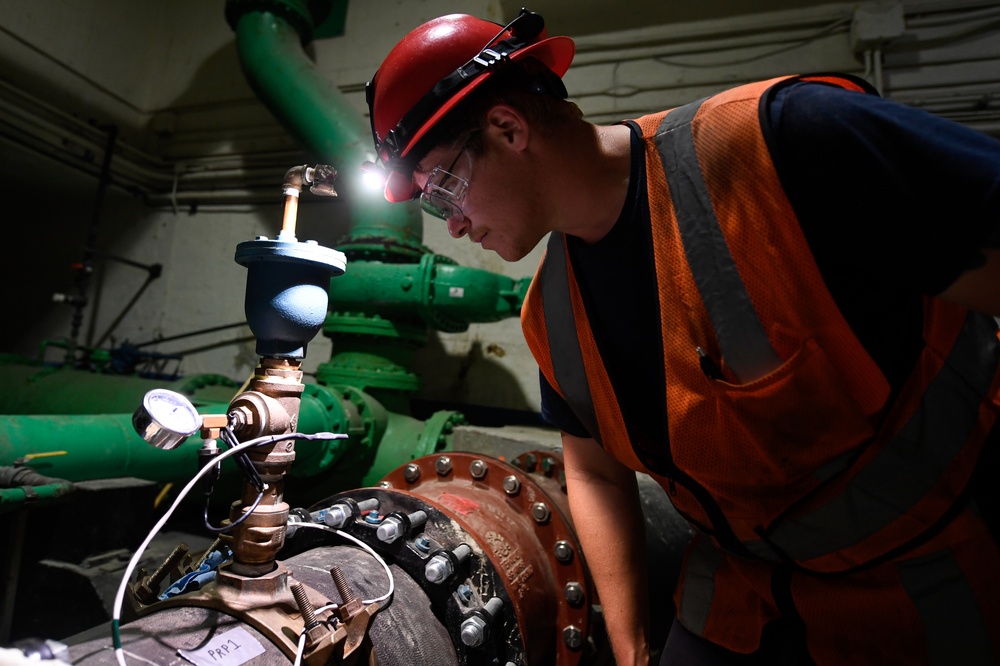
(909, 466)
(915, 459)
(744, 344)
(898, 477)
(703, 558)
(948, 609)
(564, 348)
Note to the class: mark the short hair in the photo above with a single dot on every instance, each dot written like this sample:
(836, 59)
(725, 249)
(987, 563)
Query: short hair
(527, 85)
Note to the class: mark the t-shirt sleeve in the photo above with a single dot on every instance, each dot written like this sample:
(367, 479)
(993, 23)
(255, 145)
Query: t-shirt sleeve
(881, 183)
(556, 411)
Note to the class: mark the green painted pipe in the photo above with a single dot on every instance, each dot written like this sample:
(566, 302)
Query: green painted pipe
(446, 296)
(22, 487)
(12, 499)
(29, 387)
(102, 446)
(270, 35)
(82, 447)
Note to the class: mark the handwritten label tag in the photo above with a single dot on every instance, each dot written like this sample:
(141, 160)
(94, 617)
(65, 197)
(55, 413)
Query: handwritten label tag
(456, 292)
(232, 648)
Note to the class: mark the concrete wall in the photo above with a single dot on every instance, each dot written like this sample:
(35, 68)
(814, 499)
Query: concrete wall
(198, 160)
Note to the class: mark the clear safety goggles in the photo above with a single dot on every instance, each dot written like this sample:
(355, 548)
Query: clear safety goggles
(445, 189)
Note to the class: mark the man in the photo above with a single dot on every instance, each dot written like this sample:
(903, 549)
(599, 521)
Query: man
(770, 300)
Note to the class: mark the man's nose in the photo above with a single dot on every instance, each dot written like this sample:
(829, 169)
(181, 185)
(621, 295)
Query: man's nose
(458, 226)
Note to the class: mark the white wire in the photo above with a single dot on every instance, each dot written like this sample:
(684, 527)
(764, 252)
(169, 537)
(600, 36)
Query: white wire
(120, 595)
(366, 547)
(301, 649)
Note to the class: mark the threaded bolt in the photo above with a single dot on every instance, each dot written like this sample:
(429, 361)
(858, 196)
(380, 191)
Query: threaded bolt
(345, 591)
(411, 473)
(442, 465)
(175, 556)
(572, 637)
(540, 512)
(573, 592)
(511, 485)
(478, 469)
(305, 606)
(473, 631)
(563, 551)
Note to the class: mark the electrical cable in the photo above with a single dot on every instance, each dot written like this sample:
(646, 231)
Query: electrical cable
(120, 595)
(794, 45)
(225, 528)
(300, 650)
(228, 437)
(369, 550)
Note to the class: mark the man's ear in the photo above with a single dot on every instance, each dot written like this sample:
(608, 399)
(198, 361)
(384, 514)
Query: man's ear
(508, 126)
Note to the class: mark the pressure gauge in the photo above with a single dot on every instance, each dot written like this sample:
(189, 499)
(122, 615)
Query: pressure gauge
(165, 419)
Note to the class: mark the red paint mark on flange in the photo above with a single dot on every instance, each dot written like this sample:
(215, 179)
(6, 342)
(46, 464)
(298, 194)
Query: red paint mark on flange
(458, 504)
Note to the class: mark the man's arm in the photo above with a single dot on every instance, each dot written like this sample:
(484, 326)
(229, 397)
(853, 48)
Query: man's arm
(978, 288)
(607, 514)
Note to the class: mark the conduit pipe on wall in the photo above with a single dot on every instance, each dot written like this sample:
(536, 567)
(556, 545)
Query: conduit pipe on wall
(269, 40)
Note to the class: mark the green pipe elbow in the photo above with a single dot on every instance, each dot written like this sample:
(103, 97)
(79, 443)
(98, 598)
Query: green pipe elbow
(269, 43)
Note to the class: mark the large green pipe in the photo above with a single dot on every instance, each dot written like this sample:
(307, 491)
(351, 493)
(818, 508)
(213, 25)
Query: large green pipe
(29, 387)
(82, 447)
(269, 40)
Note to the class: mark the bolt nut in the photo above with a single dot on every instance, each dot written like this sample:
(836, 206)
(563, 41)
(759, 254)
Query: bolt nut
(473, 631)
(443, 465)
(511, 485)
(540, 512)
(573, 592)
(572, 637)
(385, 485)
(478, 469)
(563, 551)
(411, 473)
(438, 569)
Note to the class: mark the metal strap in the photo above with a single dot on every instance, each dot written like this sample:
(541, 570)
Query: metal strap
(742, 340)
(560, 325)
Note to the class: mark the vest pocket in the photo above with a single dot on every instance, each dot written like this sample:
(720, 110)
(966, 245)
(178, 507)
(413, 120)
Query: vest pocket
(780, 436)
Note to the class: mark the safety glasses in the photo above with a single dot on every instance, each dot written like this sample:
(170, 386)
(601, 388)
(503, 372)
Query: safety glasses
(445, 189)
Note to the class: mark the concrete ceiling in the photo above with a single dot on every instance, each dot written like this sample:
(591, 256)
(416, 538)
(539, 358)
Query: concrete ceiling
(575, 18)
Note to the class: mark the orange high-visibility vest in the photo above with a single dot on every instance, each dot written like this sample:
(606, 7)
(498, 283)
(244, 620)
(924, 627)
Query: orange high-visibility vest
(793, 458)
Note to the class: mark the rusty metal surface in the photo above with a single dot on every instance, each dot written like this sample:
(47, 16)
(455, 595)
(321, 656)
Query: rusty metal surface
(520, 544)
(524, 552)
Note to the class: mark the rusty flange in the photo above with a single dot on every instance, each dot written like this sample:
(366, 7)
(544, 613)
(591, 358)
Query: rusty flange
(518, 514)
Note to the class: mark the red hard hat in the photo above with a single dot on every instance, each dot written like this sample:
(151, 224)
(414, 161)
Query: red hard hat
(437, 65)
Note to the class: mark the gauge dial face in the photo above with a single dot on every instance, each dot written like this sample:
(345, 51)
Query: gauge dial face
(172, 411)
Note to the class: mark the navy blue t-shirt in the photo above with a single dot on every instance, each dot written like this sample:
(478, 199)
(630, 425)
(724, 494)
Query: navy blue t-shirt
(894, 204)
